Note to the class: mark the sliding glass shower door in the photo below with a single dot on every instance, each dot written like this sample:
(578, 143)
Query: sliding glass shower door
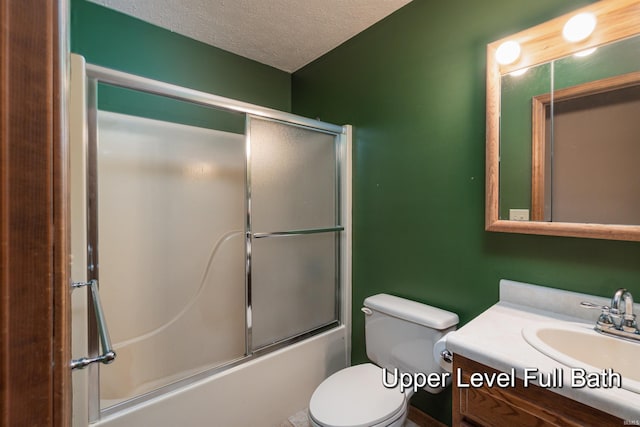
(213, 229)
(169, 208)
(295, 224)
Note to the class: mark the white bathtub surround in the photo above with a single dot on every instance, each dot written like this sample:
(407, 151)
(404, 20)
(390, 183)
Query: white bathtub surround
(495, 339)
(262, 392)
(198, 352)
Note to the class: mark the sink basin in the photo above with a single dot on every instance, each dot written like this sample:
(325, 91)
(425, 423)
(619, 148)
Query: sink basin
(577, 345)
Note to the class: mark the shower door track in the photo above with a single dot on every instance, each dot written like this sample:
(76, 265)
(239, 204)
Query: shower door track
(96, 74)
(143, 84)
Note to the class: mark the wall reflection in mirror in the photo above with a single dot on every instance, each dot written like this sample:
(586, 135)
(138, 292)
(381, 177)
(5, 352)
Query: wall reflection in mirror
(570, 138)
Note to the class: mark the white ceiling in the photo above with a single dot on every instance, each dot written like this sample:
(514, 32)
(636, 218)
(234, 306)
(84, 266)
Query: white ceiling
(286, 34)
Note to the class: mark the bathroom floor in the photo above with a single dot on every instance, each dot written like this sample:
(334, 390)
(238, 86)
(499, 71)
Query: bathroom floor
(301, 419)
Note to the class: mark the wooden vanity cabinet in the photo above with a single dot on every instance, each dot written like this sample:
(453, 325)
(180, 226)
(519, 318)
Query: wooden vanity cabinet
(517, 406)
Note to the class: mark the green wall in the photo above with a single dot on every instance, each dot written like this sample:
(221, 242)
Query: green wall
(414, 88)
(115, 40)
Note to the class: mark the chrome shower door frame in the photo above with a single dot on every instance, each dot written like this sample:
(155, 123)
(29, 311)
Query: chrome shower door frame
(94, 76)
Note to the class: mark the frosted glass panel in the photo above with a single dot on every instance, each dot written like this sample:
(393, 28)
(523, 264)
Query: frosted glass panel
(171, 250)
(293, 285)
(293, 177)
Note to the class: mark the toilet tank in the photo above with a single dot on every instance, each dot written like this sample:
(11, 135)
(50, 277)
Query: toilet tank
(401, 333)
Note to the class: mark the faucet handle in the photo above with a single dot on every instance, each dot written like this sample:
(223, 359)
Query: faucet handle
(605, 318)
(629, 323)
(587, 304)
(614, 320)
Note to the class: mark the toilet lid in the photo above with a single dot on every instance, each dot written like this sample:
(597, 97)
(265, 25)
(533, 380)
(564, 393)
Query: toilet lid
(355, 397)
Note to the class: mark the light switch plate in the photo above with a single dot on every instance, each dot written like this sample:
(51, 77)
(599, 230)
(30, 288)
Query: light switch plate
(519, 214)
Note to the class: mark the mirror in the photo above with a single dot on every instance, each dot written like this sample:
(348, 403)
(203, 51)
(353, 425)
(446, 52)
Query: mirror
(563, 128)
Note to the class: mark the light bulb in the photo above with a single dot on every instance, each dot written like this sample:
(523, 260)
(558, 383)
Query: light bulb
(508, 52)
(579, 27)
(585, 52)
(519, 72)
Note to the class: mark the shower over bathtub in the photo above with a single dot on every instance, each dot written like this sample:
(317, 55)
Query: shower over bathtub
(218, 233)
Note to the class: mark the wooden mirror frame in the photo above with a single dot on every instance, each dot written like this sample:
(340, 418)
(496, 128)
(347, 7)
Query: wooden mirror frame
(617, 19)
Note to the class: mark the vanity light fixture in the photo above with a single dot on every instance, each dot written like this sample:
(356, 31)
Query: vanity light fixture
(519, 72)
(585, 52)
(579, 27)
(508, 52)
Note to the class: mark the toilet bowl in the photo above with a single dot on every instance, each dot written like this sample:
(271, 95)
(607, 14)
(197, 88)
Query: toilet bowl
(400, 334)
(356, 397)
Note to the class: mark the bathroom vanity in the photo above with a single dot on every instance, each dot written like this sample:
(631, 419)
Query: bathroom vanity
(505, 375)
(531, 406)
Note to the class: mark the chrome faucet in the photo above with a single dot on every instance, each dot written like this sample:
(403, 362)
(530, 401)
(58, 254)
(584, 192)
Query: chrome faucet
(618, 319)
(625, 319)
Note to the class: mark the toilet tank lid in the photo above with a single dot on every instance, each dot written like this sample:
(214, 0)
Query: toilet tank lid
(412, 311)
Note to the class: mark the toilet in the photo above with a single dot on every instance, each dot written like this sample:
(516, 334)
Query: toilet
(400, 334)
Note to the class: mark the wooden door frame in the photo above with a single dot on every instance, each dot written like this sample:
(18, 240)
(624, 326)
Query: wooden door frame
(539, 147)
(35, 378)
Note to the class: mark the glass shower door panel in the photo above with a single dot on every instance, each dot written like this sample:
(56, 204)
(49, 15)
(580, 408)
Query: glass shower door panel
(171, 203)
(293, 177)
(293, 189)
(294, 286)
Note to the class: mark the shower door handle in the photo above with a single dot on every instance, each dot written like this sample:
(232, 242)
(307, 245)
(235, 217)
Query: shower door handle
(298, 232)
(105, 342)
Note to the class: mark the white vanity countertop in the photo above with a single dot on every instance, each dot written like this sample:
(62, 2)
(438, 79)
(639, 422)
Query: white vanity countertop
(495, 339)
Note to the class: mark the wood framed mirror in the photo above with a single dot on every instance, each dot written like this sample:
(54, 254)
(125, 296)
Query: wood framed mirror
(518, 186)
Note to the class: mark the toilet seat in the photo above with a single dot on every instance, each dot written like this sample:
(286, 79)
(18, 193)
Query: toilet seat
(356, 397)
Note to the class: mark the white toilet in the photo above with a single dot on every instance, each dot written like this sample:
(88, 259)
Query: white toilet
(399, 334)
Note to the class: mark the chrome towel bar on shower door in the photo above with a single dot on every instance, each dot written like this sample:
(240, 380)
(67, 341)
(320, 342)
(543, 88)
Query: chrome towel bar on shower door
(297, 232)
(108, 354)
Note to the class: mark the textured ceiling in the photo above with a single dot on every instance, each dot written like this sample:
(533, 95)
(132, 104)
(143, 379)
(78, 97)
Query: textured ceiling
(286, 34)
